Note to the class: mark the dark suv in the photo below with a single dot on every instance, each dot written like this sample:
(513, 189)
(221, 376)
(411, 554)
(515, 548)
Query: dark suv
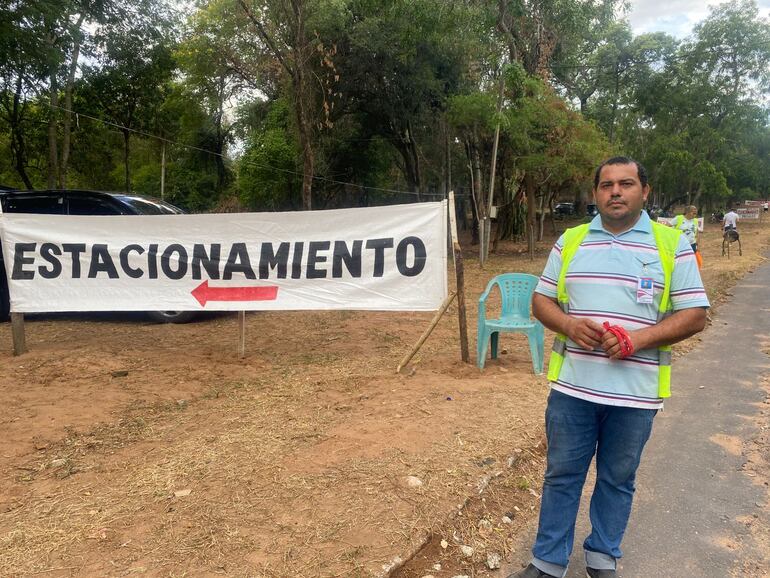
(73, 202)
(564, 209)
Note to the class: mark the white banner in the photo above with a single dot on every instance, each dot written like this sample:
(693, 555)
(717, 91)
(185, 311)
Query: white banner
(748, 213)
(391, 258)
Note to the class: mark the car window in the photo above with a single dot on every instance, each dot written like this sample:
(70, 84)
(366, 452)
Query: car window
(40, 204)
(92, 206)
(150, 207)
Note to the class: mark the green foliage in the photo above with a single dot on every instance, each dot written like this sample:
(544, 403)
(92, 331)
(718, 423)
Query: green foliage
(550, 139)
(690, 111)
(267, 173)
(186, 186)
(397, 94)
(400, 62)
(515, 78)
(472, 112)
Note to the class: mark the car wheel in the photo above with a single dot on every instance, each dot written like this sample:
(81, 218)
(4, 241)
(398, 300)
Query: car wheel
(171, 316)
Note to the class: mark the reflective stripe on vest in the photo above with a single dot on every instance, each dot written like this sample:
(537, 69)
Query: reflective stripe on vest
(667, 240)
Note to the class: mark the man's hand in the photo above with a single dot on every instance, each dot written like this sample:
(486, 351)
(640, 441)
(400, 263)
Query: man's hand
(586, 333)
(611, 344)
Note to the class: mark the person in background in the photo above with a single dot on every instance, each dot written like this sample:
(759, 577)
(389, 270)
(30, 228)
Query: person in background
(730, 220)
(610, 366)
(688, 224)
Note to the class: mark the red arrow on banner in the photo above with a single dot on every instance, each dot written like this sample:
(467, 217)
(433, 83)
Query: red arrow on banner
(203, 293)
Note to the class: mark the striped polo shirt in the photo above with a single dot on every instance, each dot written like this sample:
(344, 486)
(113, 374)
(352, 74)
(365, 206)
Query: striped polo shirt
(602, 285)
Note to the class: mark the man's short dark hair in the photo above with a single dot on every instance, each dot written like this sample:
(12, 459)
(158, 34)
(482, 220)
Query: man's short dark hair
(640, 170)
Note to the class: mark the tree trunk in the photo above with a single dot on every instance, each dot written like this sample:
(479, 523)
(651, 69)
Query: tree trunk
(219, 158)
(493, 168)
(219, 161)
(501, 218)
(414, 154)
(295, 68)
(502, 207)
(301, 94)
(474, 197)
(126, 155)
(541, 219)
(481, 208)
(615, 102)
(529, 183)
(308, 159)
(53, 114)
(68, 90)
(447, 161)
(163, 170)
(17, 136)
(504, 26)
(406, 146)
(477, 180)
(475, 224)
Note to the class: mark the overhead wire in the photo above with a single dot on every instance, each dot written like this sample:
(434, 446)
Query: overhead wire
(249, 163)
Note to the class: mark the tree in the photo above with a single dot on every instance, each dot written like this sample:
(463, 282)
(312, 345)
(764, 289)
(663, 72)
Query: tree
(555, 148)
(211, 79)
(60, 28)
(22, 70)
(129, 87)
(399, 63)
(266, 172)
(472, 118)
(694, 117)
(580, 56)
(282, 28)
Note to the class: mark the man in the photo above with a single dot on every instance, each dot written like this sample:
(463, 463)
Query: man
(604, 290)
(730, 220)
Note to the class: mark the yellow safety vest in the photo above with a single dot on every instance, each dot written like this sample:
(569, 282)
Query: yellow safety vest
(667, 241)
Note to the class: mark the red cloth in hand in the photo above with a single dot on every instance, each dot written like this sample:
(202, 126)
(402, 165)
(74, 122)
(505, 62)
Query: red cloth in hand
(626, 347)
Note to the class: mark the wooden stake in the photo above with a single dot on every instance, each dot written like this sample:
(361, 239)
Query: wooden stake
(17, 331)
(460, 277)
(241, 334)
(428, 331)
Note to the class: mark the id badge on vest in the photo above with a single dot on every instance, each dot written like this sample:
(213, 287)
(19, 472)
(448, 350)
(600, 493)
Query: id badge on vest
(645, 289)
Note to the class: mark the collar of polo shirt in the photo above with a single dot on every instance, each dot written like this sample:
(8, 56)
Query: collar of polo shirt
(643, 224)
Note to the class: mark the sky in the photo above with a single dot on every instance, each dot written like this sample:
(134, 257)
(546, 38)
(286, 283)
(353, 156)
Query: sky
(675, 17)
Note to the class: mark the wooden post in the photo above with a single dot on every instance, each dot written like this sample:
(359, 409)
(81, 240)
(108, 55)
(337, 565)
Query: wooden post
(428, 331)
(460, 276)
(241, 334)
(17, 330)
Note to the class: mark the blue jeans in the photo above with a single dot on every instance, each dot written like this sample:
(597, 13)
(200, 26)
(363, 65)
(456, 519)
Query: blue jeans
(576, 430)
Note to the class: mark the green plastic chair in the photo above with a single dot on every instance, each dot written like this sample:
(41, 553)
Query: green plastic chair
(516, 291)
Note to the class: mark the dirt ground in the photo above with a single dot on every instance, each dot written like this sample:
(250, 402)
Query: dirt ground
(130, 448)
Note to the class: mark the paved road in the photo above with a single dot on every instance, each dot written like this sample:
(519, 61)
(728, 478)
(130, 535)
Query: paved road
(692, 490)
